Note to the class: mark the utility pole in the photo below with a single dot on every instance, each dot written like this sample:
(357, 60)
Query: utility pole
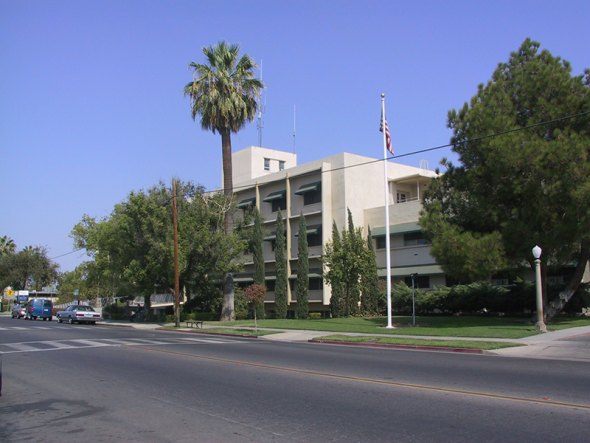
(176, 277)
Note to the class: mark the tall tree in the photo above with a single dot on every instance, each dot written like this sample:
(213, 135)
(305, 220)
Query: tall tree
(282, 280)
(133, 247)
(524, 179)
(258, 259)
(346, 260)
(29, 268)
(224, 93)
(302, 287)
(334, 272)
(370, 281)
(7, 245)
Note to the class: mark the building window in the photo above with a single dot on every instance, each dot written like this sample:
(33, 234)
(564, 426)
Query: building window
(315, 283)
(314, 235)
(420, 281)
(277, 199)
(267, 164)
(414, 239)
(315, 239)
(309, 198)
(380, 242)
(279, 204)
(401, 197)
(270, 285)
(311, 192)
(246, 204)
(281, 165)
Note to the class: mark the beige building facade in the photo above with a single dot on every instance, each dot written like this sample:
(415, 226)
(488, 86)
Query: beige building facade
(323, 191)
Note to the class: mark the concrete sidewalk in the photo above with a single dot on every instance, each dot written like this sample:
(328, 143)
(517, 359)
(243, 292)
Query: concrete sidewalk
(567, 344)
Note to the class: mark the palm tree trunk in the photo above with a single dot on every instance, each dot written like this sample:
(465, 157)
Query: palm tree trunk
(228, 183)
(227, 311)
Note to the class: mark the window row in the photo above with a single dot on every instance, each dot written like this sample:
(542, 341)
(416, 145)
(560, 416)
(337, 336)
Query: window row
(410, 239)
(311, 193)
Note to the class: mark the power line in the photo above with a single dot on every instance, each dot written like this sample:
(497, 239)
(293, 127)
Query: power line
(447, 145)
(67, 253)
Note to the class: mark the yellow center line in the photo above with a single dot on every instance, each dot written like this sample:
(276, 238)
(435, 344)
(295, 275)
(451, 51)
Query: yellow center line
(389, 383)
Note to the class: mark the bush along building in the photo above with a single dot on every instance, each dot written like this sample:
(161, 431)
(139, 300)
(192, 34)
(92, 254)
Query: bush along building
(323, 191)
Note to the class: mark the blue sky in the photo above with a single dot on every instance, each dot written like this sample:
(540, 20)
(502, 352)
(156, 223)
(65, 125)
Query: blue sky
(91, 102)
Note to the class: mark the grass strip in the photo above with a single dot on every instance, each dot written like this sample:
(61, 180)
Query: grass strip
(462, 344)
(448, 326)
(226, 331)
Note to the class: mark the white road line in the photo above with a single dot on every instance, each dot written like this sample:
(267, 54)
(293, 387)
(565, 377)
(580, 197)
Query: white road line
(206, 340)
(21, 347)
(115, 341)
(91, 343)
(60, 345)
(150, 342)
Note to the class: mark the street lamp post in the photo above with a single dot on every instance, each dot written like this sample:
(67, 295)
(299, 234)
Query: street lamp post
(413, 276)
(540, 318)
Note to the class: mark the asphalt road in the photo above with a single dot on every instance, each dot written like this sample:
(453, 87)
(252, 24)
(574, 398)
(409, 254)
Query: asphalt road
(99, 383)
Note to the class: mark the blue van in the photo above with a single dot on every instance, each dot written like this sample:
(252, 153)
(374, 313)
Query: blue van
(39, 307)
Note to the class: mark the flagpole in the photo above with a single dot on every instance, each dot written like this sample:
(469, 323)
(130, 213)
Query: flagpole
(386, 192)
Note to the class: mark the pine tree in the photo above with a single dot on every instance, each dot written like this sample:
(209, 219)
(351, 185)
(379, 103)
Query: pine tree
(281, 270)
(303, 271)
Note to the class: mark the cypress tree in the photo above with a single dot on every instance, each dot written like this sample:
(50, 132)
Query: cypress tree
(303, 271)
(334, 272)
(370, 281)
(281, 270)
(258, 258)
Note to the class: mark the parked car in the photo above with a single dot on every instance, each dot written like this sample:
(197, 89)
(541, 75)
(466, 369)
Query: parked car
(18, 311)
(79, 314)
(39, 307)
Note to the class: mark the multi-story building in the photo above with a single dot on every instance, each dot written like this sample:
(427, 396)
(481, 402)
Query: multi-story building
(323, 191)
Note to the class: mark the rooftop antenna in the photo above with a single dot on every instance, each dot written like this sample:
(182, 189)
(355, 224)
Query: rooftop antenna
(294, 127)
(260, 123)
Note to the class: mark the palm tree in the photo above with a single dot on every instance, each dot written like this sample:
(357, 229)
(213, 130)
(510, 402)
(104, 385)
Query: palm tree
(7, 245)
(224, 93)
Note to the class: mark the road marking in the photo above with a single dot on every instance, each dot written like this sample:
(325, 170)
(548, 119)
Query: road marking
(203, 340)
(90, 343)
(20, 347)
(56, 345)
(149, 342)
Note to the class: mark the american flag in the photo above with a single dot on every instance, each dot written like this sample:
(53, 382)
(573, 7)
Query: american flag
(387, 134)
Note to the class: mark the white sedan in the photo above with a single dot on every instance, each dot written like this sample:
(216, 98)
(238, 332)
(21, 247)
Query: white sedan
(79, 314)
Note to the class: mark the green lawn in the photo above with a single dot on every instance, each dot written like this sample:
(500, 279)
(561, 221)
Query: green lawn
(461, 344)
(441, 326)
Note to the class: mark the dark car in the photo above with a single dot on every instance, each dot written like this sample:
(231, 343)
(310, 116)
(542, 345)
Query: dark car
(79, 314)
(39, 307)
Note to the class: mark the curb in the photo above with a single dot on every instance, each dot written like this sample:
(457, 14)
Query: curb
(393, 346)
(184, 330)
(206, 332)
